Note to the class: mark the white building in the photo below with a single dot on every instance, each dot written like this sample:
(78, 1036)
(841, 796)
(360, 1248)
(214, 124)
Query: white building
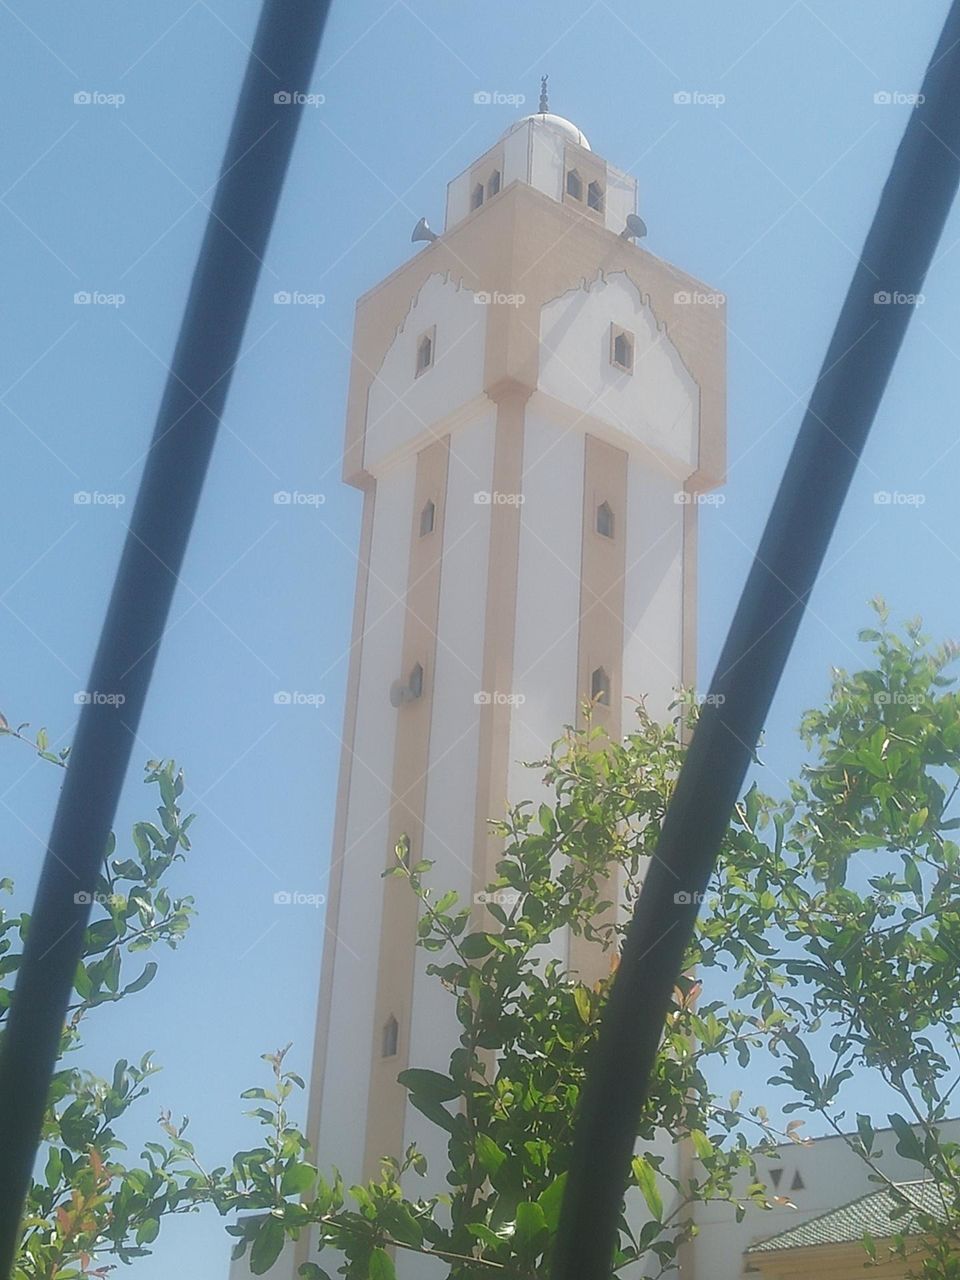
(534, 402)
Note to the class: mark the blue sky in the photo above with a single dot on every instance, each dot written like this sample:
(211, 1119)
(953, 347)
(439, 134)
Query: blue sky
(766, 196)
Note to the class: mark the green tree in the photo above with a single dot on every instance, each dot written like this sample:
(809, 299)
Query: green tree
(87, 1201)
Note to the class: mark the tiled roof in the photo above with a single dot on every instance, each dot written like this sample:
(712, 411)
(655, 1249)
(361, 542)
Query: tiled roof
(872, 1213)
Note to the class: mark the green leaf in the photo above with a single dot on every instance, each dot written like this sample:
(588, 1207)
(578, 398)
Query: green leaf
(381, 1266)
(551, 1201)
(148, 975)
(581, 998)
(297, 1178)
(489, 1154)
(148, 1231)
(531, 1226)
(909, 1145)
(429, 1084)
(267, 1245)
(475, 946)
(647, 1182)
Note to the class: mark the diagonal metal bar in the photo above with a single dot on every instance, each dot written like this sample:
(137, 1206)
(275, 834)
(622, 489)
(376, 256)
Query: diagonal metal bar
(898, 252)
(242, 214)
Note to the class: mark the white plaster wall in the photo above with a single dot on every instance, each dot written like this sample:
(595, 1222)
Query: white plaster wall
(454, 745)
(516, 155)
(620, 199)
(548, 587)
(347, 1076)
(657, 405)
(653, 591)
(546, 159)
(458, 199)
(402, 406)
(833, 1176)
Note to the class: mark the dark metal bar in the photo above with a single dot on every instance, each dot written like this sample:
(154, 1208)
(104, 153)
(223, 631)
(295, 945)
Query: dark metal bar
(898, 252)
(251, 179)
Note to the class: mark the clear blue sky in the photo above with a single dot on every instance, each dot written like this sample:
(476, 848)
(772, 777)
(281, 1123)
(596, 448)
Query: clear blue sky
(766, 197)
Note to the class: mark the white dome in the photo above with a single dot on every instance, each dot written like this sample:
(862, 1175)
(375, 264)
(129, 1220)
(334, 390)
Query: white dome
(557, 123)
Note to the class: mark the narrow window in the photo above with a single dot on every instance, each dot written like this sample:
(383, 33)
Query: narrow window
(574, 185)
(476, 200)
(621, 350)
(595, 197)
(493, 185)
(391, 1038)
(600, 687)
(775, 1175)
(427, 517)
(605, 520)
(424, 353)
(415, 683)
(798, 1183)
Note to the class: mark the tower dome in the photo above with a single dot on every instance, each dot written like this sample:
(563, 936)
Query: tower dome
(565, 127)
(557, 123)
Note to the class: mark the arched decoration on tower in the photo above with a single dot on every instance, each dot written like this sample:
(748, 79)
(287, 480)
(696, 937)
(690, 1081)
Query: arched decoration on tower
(600, 687)
(605, 520)
(428, 518)
(595, 197)
(493, 184)
(574, 185)
(415, 682)
(425, 346)
(390, 1038)
(621, 349)
(476, 196)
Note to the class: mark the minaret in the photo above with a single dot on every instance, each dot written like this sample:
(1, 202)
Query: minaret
(535, 404)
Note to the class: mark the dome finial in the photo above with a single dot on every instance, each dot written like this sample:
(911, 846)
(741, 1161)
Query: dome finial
(544, 105)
